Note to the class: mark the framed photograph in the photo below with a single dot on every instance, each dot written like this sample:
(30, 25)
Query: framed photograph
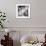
(22, 10)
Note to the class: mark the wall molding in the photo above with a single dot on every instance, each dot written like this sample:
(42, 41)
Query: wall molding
(26, 28)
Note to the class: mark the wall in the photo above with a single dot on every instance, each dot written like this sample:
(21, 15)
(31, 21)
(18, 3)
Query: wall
(38, 13)
(37, 22)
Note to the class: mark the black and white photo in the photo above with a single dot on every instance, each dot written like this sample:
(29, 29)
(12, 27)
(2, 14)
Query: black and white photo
(22, 10)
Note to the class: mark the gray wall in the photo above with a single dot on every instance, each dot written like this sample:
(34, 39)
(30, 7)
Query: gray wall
(38, 13)
(37, 22)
